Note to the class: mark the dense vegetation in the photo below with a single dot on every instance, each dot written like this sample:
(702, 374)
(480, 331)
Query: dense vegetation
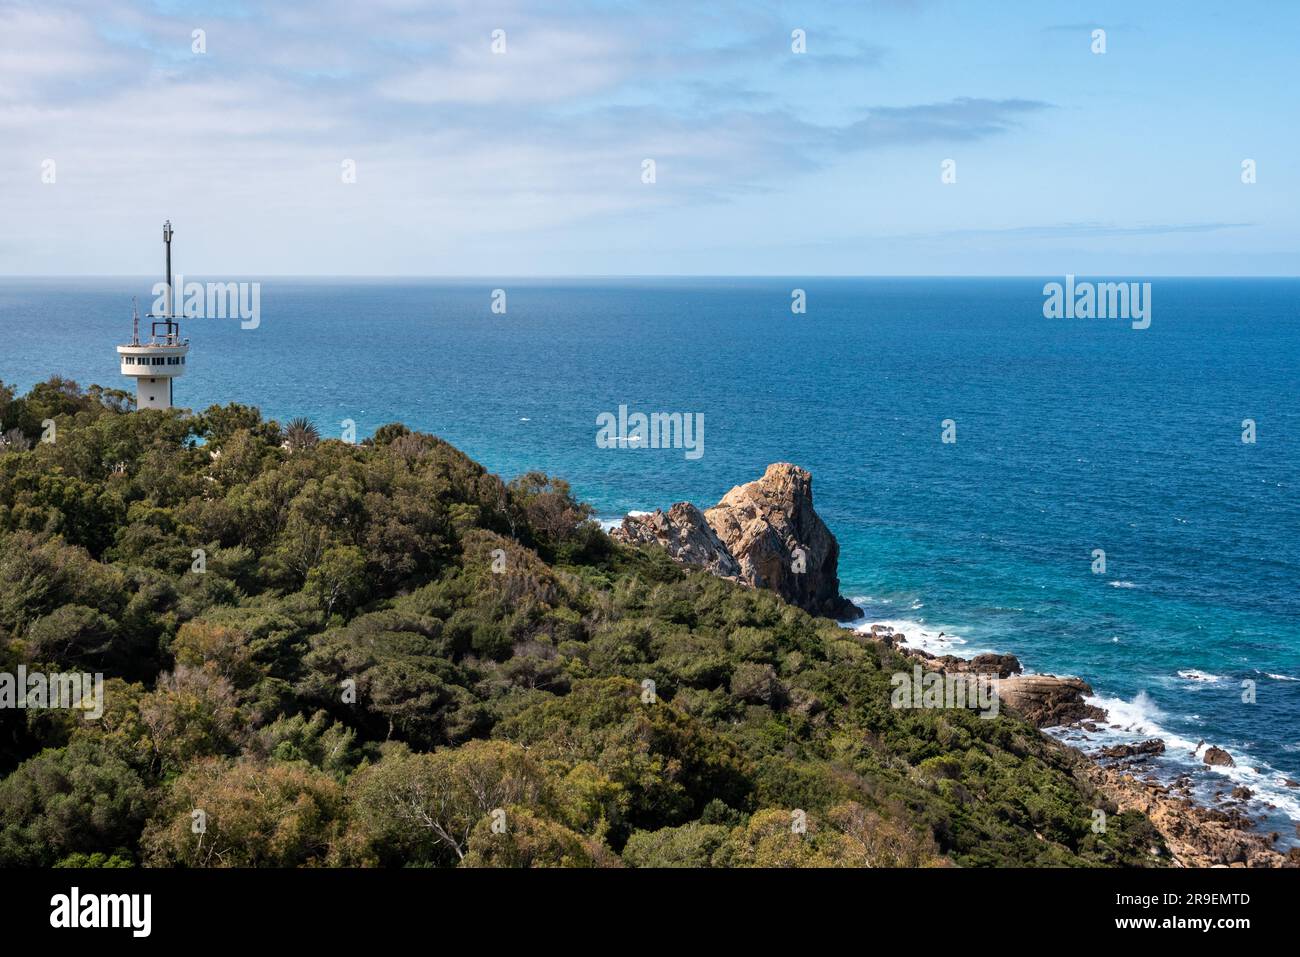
(381, 654)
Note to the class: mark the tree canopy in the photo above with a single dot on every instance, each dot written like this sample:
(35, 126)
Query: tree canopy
(381, 654)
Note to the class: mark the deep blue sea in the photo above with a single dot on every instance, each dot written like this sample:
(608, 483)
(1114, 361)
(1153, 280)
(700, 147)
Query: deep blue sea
(1072, 435)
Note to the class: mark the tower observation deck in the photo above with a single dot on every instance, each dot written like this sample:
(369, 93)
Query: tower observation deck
(155, 363)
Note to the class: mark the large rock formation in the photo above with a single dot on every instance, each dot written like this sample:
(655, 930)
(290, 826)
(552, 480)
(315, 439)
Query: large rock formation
(998, 666)
(765, 534)
(781, 543)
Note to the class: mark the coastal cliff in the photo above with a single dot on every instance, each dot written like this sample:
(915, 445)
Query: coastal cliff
(752, 536)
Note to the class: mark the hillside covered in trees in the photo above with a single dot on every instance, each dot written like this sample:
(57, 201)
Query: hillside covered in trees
(383, 655)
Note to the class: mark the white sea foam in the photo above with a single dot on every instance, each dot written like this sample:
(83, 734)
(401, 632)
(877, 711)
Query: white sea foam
(1140, 719)
(1127, 722)
(866, 601)
(1267, 784)
(861, 600)
(1121, 584)
(1280, 677)
(609, 524)
(928, 638)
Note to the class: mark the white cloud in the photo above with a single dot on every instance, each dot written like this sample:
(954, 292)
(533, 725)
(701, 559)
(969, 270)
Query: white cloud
(455, 146)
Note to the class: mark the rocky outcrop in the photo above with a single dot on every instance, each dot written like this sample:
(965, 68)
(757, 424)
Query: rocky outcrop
(684, 533)
(765, 534)
(997, 666)
(781, 543)
(1141, 750)
(1196, 836)
(1004, 666)
(1218, 757)
(1047, 701)
(1044, 700)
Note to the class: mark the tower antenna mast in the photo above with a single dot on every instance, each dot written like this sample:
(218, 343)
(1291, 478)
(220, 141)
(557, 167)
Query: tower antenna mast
(167, 240)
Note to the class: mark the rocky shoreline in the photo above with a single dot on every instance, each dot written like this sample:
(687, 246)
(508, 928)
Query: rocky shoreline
(1196, 835)
(766, 534)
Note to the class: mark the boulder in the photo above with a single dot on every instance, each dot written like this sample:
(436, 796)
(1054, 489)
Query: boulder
(1047, 701)
(1218, 757)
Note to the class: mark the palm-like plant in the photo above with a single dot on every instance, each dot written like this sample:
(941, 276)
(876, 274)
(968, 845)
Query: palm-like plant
(300, 434)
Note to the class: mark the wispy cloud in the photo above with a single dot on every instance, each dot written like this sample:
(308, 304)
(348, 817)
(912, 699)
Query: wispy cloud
(462, 153)
(961, 119)
(551, 131)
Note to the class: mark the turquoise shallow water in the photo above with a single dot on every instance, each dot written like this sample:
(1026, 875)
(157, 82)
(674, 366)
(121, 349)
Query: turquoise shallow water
(1072, 435)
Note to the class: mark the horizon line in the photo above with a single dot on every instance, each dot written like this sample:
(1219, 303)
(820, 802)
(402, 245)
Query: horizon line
(570, 276)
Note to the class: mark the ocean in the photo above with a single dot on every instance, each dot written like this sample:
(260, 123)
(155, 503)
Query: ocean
(1072, 435)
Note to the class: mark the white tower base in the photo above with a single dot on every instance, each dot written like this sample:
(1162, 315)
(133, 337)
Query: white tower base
(153, 393)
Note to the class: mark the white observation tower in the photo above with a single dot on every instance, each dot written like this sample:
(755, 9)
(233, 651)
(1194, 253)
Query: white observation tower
(154, 364)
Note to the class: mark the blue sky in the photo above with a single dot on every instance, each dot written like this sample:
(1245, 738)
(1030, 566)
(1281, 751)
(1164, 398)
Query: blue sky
(768, 162)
